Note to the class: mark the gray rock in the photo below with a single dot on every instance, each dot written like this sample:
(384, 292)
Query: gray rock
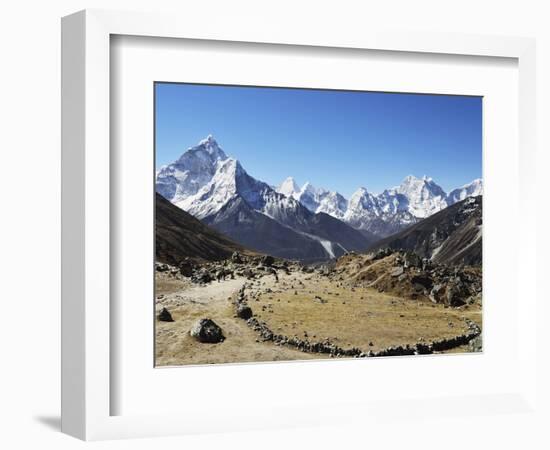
(411, 259)
(207, 331)
(236, 258)
(244, 311)
(248, 273)
(223, 273)
(162, 267)
(397, 271)
(426, 264)
(186, 268)
(424, 281)
(268, 260)
(436, 293)
(165, 316)
(202, 276)
(382, 253)
(476, 344)
(453, 295)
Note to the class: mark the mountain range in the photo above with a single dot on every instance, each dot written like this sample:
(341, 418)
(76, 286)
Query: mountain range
(216, 189)
(385, 213)
(304, 223)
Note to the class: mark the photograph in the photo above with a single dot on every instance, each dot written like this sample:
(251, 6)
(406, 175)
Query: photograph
(298, 224)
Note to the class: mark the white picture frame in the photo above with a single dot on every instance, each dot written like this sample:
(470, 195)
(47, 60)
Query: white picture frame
(86, 217)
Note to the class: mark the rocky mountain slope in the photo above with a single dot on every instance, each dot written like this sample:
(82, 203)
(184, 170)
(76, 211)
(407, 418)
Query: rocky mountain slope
(258, 231)
(406, 275)
(179, 235)
(451, 236)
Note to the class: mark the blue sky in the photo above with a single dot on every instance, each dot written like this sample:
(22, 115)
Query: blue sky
(339, 140)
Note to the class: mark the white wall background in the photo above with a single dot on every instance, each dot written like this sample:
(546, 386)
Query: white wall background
(30, 197)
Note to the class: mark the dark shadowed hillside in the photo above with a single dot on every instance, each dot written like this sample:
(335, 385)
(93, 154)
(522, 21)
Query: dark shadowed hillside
(451, 236)
(180, 235)
(258, 231)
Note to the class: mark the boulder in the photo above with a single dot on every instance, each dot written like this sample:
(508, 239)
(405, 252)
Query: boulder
(453, 295)
(223, 273)
(186, 268)
(397, 271)
(236, 258)
(382, 253)
(436, 294)
(162, 267)
(273, 272)
(248, 273)
(411, 259)
(244, 311)
(207, 331)
(202, 276)
(423, 280)
(426, 264)
(268, 260)
(165, 316)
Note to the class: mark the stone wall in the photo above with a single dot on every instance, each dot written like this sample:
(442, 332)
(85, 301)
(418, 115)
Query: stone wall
(333, 350)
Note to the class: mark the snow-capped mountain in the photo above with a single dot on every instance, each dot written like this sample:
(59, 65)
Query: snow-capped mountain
(229, 181)
(310, 196)
(333, 204)
(193, 170)
(388, 212)
(289, 221)
(382, 214)
(472, 189)
(315, 199)
(288, 187)
(215, 188)
(424, 196)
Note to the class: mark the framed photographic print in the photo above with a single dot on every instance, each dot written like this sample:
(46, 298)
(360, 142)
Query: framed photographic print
(315, 218)
(274, 270)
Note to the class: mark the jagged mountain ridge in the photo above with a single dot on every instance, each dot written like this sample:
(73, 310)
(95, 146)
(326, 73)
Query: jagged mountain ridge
(191, 171)
(451, 236)
(386, 213)
(231, 201)
(315, 199)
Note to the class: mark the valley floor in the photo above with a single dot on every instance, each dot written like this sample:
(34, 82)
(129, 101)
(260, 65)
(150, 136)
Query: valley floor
(300, 306)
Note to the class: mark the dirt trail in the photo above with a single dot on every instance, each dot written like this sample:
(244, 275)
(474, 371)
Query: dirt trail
(209, 295)
(301, 305)
(174, 346)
